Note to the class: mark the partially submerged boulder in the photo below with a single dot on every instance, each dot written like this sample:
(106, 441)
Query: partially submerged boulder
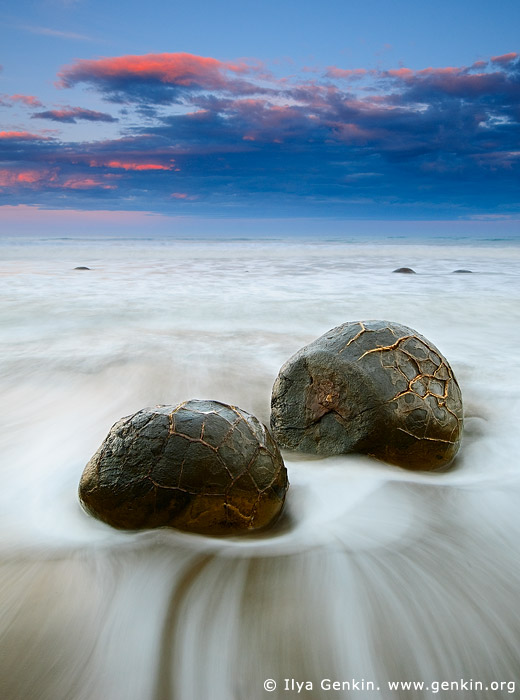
(373, 387)
(201, 466)
(405, 271)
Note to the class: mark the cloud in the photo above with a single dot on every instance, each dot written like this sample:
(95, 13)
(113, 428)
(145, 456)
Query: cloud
(131, 165)
(51, 179)
(70, 115)
(505, 58)
(57, 33)
(459, 82)
(8, 178)
(160, 78)
(348, 74)
(78, 182)
(27, 100)
(349, 141)
(21, 136)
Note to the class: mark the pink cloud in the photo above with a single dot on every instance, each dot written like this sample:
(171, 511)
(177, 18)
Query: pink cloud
(399, 73)
(448, 70)
(21, 136)
(47, 178)
(410, 76)
(504, 58)
(12, 178)
(353, 73)
(77, 182)
(28, 100)
(131, 165)
(181, 69)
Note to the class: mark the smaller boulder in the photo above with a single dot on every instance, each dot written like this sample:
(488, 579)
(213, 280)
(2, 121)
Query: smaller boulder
(465, 272)
(82, 268)
(201, 466)
(405, 271)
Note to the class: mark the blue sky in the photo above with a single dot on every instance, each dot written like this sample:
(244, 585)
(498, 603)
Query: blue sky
(197, 112)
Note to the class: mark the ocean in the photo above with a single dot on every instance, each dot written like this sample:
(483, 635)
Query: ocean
(373, 576)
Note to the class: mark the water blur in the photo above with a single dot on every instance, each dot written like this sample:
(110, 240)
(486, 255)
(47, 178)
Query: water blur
(373, 573)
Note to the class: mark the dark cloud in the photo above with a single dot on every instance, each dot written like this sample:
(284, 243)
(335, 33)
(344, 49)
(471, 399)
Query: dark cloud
(431, 84)
(70, 115)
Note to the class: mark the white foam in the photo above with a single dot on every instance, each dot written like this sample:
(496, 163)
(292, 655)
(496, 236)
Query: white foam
(374, 572)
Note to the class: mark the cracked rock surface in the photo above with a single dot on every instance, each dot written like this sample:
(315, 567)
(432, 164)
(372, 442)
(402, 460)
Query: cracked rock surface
(201, 466)
(373, 387)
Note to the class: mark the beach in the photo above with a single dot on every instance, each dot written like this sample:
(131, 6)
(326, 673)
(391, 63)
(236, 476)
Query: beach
(373, 573)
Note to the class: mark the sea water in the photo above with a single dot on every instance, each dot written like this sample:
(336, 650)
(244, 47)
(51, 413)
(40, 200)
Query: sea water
(374, 575)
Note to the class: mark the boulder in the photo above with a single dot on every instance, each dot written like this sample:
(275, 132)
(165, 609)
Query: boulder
(201, 466)
(465, 272)
(405, 271)
(374, 387)
(82, 267)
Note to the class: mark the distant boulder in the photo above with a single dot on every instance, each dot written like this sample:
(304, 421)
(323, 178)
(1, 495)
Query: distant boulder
(82, 268)
(202, 466)
(405, 271)
(373, 387)
(465, 272)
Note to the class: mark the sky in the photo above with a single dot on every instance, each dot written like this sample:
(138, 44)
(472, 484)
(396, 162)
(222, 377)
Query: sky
(192, 117)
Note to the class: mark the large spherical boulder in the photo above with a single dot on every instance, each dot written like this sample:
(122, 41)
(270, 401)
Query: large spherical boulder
(373, 387)
(201, 466)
